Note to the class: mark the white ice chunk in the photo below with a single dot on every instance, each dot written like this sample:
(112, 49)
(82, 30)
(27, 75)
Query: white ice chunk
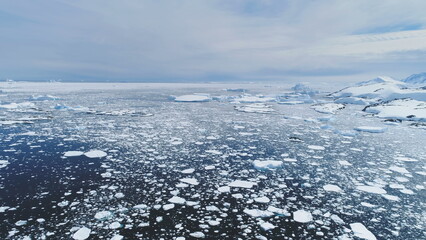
(242, 184)
(82, 233)
(73, 154)
(177, 200)
(95, 154)
(302, 216)
(371, 189)
(362, 232)
(332, 188)
(191, 181)
(370, 129)
(267, 164)
(193, 98)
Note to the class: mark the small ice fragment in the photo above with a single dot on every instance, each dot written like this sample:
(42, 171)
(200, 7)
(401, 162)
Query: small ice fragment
(266, 226)
(197, 235)
(167, 207)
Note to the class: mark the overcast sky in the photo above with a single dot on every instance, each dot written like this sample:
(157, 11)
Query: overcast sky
(223, 40)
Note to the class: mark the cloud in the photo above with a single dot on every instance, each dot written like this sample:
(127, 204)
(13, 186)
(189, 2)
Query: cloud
(208, 40)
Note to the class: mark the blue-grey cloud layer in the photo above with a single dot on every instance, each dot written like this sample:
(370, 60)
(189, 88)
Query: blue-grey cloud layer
(210, 40)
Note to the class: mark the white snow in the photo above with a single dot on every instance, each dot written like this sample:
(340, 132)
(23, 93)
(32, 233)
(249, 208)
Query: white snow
(302, 216)
(362, 232)
(95, 154)
(82, 233)
(403, 109)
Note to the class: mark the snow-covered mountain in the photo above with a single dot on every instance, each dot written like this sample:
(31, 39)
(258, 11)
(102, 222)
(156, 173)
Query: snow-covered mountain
(380, 89)
(387, 98)
(379, 79)
(419, 78)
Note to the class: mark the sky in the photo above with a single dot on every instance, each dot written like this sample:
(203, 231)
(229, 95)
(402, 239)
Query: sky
(211, 40)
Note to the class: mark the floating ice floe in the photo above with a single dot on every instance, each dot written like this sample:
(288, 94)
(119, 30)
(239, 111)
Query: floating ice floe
(3, 163)
(254, 99)
(242, 184)
(370, 129)
(43, 98)
(82, 233)
(17, 105)
(266, 226)
(257, 213)
(316, 147)
(371, 189)
(191, 181)
(332, 188)
(73, 154)
(328, 108)
(302, 216)
(177, 200)
(267, 164)
(95, 154)
(401, 109)
(262, 199)
(193, 98)
(399, 169)
(103, 215)
(361, 231)
(255, 108)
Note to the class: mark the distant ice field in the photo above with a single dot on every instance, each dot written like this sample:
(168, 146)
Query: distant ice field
(127, 161)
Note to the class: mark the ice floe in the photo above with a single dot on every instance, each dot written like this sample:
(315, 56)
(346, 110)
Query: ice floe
(193, 98)
(362, 232)
(302, 216)
(95, 154)
(370, 129)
